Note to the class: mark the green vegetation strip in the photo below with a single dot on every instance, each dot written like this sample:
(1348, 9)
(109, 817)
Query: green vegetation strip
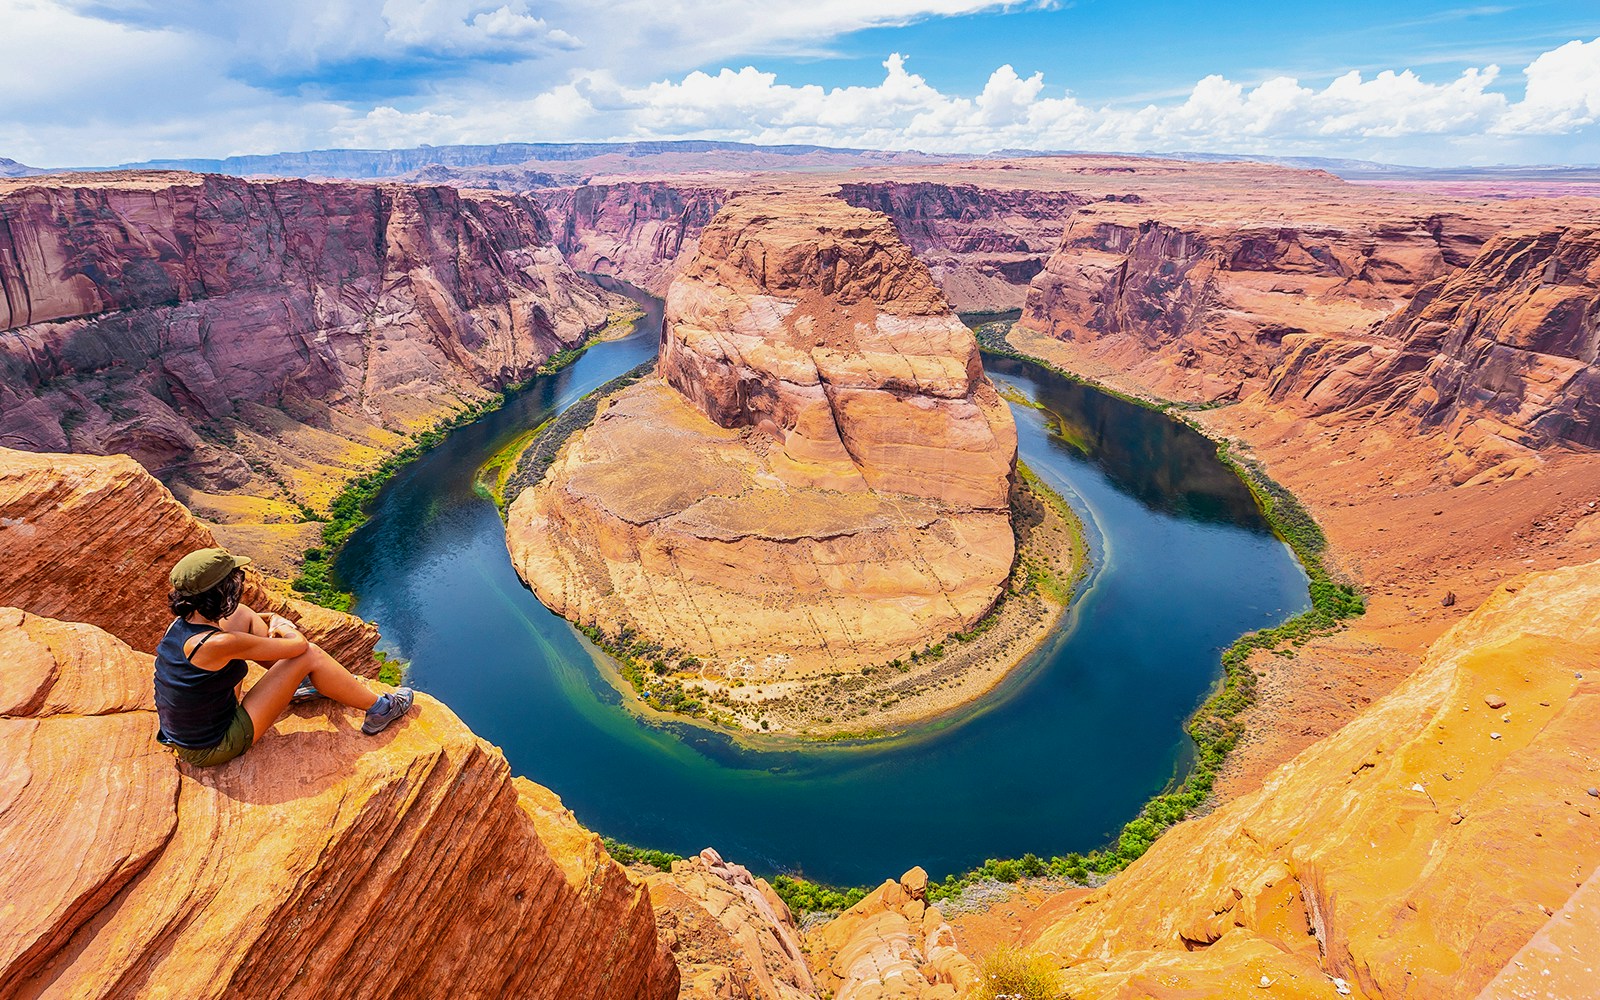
(348, 511)
(523, 463)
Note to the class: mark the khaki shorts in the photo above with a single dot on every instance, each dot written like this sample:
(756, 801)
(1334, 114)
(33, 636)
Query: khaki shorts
(241, 733)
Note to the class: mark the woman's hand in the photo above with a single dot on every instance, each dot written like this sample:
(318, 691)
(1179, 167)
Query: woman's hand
(279, 626)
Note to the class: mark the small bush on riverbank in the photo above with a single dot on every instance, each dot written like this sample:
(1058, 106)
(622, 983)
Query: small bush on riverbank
(627, 854)
(802, 896)
(348, 511)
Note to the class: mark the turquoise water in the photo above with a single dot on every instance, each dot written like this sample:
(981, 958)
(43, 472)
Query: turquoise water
(1056, 761)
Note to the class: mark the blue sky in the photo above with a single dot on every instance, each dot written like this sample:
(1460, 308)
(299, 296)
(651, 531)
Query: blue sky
(101, 81)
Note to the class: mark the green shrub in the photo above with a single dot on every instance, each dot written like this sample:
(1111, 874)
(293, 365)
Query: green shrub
(627, 854)
(804, 896)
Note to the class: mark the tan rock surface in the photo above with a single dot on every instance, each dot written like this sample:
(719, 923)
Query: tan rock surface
(1412, 854)
(730, 934)
(322, 863)
(892, 944)
(92, 538)
(846, 502)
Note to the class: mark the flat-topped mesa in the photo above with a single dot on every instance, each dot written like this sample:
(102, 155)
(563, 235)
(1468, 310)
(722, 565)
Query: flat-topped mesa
(813, 322)
(822, 478)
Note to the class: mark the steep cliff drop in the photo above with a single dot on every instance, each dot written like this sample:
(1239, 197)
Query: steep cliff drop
(819, 481)
(257, 344)
(322, 863)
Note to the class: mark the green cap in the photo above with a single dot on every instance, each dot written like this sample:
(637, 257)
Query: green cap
(203, 569)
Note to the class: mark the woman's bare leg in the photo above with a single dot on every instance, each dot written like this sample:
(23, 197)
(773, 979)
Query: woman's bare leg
(272, 693)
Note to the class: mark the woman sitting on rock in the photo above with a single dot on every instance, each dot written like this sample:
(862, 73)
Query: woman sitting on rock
(200, 665)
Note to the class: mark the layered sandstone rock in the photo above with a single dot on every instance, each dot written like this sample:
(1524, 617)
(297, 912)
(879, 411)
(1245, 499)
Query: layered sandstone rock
(322, 863)
(640, 231)
(983, 244)
(267, 338)
(1412, 854)
(1197, 300)
(729, 933)
(92, 539)
(892, 944)
(1499, 356)
(821, 478)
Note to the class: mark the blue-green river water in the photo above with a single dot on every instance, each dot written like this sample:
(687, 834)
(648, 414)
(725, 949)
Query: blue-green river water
(1056, 761)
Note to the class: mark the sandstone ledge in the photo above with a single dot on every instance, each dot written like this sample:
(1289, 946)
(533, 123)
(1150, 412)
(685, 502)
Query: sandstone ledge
(322, 863)
(1411, 854)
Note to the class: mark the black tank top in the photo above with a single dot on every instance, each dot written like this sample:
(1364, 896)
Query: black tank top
(195, 706)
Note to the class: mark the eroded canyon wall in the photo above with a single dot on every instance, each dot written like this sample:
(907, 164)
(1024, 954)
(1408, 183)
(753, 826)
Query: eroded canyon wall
(639, 231)
(1499, 356)
(983, 244)
(266, 338)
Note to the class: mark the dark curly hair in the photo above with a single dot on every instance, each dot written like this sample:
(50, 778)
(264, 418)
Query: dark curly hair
(213, 605)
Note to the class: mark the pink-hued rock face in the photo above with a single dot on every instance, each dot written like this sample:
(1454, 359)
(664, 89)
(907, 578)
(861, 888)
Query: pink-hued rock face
(208, 325)
(821, 478)
(640, 231)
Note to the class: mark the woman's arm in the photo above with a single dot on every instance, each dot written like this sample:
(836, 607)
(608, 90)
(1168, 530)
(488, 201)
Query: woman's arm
(281, 643)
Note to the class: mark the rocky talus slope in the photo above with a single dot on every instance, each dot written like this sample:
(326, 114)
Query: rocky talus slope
(1410, 855)
(322, 863)
(892, 944)
(266, 340)
(730, 934)
(821, 476)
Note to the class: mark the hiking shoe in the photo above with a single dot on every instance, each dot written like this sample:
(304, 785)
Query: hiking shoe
(388, 708)
(305, 692)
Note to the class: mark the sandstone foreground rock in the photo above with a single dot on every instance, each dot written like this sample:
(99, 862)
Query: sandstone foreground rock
(322, 863)
(92, 538)
(819, 479)
(1410, 855)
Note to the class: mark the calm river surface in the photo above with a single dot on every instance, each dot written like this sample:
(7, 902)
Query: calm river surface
(1055, 762)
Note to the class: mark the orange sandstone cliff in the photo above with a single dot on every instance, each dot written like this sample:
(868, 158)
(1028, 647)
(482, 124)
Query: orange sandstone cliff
(322, 863)
(821, 476)
(1413, 854)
